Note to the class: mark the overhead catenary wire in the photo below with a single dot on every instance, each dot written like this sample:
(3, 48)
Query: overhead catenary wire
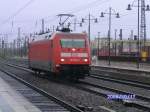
(17, 12)
(89, 5)
(78, 9)
(53, 18)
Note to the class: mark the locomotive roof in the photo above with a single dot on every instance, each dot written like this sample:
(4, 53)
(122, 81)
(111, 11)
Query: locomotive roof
(41, 38)
(66, 33)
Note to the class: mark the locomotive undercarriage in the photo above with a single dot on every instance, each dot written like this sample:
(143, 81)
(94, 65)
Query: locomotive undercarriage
(75, 71)
(64, 71)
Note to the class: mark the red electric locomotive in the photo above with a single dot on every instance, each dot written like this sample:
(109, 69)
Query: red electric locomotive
(64, 53)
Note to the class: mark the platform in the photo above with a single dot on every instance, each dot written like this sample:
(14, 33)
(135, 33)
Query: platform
(12, 101)
(143, 67)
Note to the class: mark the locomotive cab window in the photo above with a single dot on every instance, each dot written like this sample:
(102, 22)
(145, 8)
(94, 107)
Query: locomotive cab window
(72, 43)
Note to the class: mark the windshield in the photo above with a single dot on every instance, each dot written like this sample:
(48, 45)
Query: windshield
(73, 43)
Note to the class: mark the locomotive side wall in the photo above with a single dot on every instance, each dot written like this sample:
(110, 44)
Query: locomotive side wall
(40, 55)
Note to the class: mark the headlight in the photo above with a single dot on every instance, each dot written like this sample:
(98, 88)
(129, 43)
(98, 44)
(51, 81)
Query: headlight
(86, 60)
(62, 60)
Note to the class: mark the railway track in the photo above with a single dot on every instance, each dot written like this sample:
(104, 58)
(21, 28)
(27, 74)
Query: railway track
(121, 81)
(139, 101)
(43, 100)
(111, 91)
(82, 107)
(142, 76)
(22, 63)
(100, 75)
(108, 78)
(122, 78)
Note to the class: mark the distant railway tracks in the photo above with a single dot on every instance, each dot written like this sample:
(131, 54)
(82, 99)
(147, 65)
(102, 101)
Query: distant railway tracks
(139, 101)
(117, 75)
(121, 81)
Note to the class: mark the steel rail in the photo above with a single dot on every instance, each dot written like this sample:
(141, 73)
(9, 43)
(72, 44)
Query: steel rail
(121, 81)
(44, 93)
(134, 103)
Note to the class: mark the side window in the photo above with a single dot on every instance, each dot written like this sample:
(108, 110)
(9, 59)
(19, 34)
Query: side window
(60, 43)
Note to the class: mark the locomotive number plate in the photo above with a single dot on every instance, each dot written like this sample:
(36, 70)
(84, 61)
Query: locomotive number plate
(74, 59)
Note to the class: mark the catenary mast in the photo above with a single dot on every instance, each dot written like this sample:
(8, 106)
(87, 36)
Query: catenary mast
(143, 24)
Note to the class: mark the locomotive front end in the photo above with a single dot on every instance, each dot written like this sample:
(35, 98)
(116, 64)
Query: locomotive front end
(74, 57)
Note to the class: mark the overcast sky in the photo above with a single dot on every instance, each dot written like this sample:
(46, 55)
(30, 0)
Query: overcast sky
(29, 18)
